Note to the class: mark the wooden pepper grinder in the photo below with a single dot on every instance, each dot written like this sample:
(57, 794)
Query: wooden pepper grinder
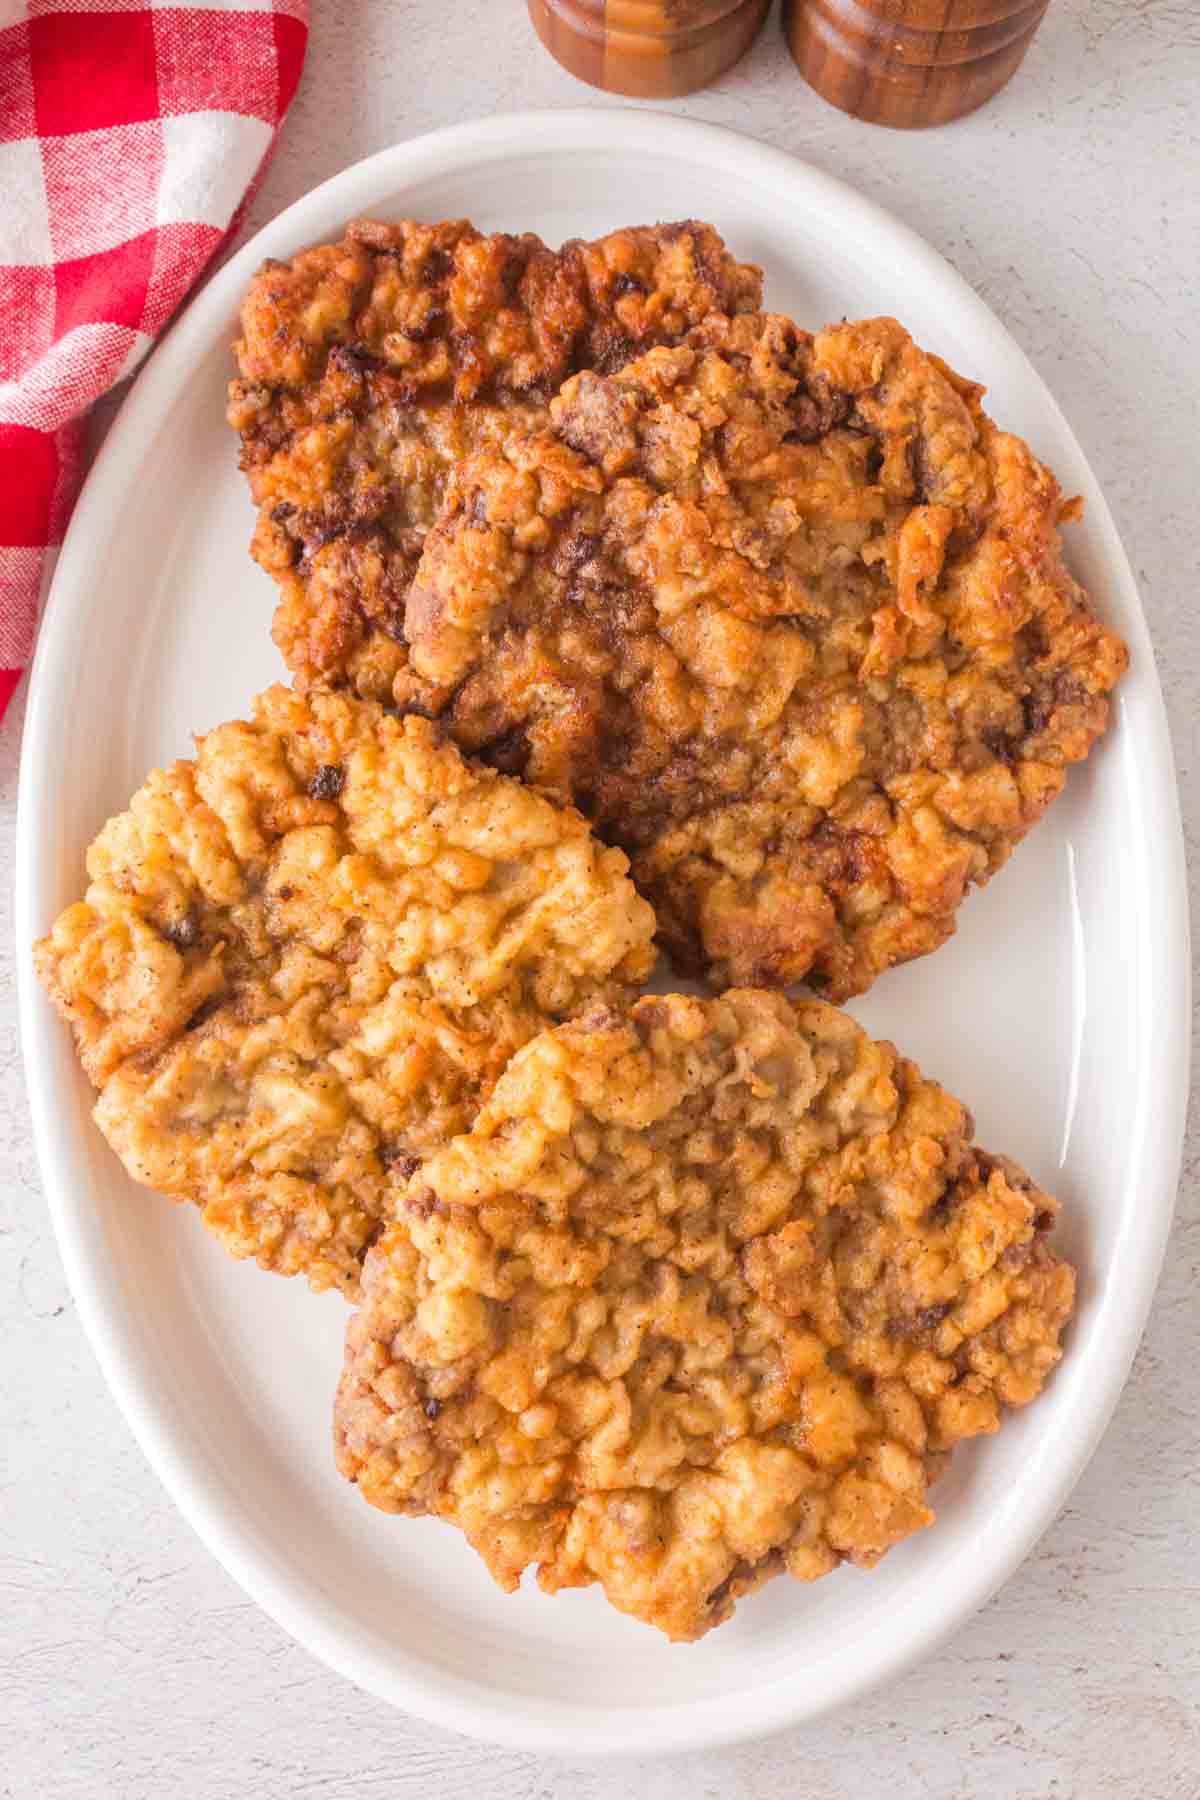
(909, 62)
(650, 49)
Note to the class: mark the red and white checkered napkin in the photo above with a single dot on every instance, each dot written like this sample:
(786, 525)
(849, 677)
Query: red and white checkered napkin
(132, 132)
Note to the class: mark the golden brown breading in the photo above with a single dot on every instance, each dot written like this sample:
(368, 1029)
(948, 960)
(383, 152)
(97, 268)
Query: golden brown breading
(707, 1294)
(304, 957)
(787, 618)
(371, 366)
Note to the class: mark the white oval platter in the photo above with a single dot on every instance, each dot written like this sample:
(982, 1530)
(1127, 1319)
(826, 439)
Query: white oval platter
(1059, 1012)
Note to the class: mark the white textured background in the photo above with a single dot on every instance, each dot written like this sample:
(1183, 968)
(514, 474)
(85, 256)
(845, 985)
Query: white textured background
(130, 1665)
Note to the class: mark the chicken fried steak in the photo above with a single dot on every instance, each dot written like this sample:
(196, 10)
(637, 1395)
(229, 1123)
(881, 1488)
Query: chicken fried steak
(787, 617)
(371, 366)
(304, 957)
(707, 1294)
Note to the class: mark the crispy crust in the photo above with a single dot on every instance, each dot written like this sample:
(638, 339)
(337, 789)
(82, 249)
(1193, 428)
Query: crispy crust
(708, 1293)
(304, 957)
(787, 617)
(371, 366)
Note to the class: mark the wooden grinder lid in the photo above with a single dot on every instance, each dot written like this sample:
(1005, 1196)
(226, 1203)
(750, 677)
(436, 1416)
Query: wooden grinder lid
(648, 49)
(909, 62)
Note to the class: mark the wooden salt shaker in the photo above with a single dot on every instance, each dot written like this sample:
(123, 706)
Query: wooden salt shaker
(909, 62)
(649, 49)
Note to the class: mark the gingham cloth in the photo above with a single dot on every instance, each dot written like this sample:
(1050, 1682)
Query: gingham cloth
(132, 133)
